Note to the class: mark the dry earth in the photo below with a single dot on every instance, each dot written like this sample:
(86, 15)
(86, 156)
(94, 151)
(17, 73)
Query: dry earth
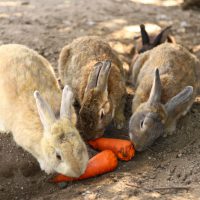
(168, 170)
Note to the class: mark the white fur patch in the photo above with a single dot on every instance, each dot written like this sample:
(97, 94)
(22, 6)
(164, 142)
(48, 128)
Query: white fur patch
(3, 128)
(44, 166)
(131, 136)
(65, 169)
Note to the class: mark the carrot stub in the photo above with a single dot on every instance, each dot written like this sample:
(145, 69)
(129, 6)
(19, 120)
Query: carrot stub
(123, 149)
(101, 163)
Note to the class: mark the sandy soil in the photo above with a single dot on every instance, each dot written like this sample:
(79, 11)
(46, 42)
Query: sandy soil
(168, 170)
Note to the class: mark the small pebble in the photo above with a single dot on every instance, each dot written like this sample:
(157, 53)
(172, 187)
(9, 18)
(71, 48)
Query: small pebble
(91, 23)
(62, 185)
(162, 17)
(86, 192)
(179, 155)
(184, 24)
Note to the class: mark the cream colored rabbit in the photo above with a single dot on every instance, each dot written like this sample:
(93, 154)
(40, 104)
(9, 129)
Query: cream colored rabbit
(35, 124)
(96, 76)
(166, 81)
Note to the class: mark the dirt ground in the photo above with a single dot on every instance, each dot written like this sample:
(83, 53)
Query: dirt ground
(170, 169)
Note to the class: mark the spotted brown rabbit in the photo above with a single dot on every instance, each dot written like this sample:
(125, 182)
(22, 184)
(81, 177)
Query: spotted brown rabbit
(96, 76)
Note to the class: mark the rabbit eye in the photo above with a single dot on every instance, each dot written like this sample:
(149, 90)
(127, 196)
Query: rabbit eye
(141, 123)
(58, 156)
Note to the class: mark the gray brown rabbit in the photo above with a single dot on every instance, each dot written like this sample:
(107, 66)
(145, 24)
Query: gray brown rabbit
(46, 130)
(96, 77)
(166, 81)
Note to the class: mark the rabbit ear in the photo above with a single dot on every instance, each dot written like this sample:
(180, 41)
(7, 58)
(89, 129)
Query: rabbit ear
(93, 77)
(46, 114)
(155, 94)
(66, 108)
(102, 82)
(175, 105)
(144, 34)
(162, 36)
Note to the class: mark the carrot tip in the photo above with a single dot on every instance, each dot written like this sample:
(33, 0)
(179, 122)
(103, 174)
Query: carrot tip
(123, 149)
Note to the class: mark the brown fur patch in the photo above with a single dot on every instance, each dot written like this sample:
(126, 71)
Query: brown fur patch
(85, 52)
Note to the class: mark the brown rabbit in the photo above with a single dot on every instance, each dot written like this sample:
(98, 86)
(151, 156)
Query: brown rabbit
(166, 86)
(187, 4)
(98, 84)
(147, 42)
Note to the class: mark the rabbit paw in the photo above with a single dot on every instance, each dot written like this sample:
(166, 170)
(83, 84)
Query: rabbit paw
(119, 121)
(170, 129)
(166, 134)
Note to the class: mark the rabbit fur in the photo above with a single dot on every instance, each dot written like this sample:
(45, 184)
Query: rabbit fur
(39, 127)
(147, 42)
(95, 74)
(166, 82)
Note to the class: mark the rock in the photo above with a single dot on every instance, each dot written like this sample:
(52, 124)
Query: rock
(162, 17)
(90, 23)
(62, 185)
(91, 196)
(184, 24)
(179, 155)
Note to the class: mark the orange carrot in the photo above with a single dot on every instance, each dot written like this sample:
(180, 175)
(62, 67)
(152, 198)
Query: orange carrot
(101, 163)
(123, 149)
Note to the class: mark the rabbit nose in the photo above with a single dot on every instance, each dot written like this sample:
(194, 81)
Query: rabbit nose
(139, 148)
(136, 142)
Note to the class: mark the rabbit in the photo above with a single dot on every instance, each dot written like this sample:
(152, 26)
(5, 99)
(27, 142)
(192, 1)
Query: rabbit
(166, 80)
(95, 74)
(46, 130)
(187, 4)
(147, 42)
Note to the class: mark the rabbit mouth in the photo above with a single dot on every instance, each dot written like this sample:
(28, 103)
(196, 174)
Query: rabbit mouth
(138, 142)
(140, 148)
(142, 143)
(100, 134)
(95, 134)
